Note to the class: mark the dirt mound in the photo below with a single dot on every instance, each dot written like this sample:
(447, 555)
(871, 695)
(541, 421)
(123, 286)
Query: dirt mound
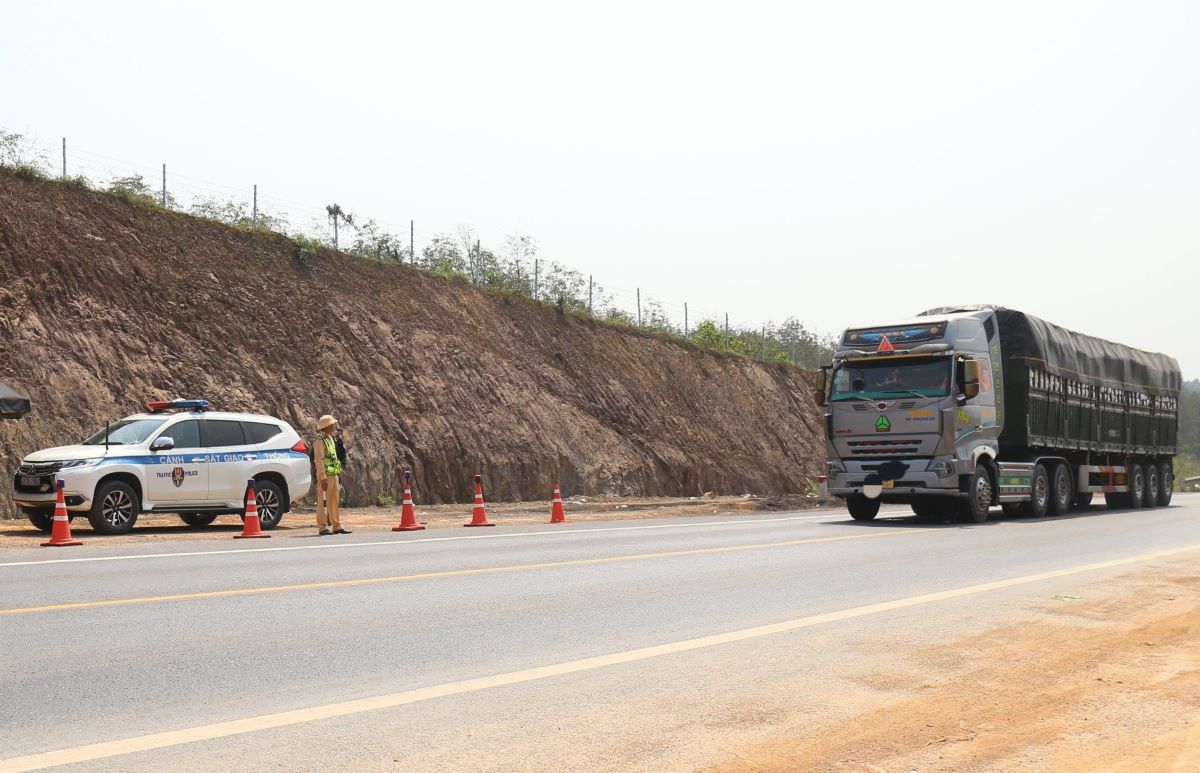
(104, 305)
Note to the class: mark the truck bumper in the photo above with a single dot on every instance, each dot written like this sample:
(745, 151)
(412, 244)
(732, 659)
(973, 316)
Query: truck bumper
(916, 482)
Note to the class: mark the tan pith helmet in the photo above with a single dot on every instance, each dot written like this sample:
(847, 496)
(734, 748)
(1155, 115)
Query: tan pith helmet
(326, 421)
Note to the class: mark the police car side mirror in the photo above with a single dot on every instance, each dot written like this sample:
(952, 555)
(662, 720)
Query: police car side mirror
(162, 444)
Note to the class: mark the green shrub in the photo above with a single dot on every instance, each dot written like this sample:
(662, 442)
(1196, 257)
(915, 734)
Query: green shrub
(304, 249)
(385, 499)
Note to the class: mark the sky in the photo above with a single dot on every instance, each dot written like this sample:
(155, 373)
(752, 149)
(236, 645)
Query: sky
(840, 163)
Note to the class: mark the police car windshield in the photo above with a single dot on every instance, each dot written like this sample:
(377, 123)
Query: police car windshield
(126, 433)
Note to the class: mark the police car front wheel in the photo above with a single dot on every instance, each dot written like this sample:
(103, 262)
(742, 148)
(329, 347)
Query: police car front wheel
(43, 519)
(115, 508)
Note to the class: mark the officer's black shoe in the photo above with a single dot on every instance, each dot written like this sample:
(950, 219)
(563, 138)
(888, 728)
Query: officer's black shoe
(343, 531)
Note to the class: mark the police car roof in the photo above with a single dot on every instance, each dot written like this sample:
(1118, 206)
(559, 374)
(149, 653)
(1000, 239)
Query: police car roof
(206, 415)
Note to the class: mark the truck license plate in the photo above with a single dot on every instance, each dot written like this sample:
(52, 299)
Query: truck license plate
(889, 484)
(30, 480)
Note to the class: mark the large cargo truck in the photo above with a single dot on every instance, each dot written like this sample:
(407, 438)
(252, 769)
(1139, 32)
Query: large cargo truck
(962, 408)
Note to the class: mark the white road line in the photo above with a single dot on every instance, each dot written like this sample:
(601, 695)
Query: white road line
(386, 543)
(263, 722)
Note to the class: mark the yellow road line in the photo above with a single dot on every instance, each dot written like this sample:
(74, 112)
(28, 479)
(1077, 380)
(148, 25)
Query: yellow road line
(329, 711)
(216, 594)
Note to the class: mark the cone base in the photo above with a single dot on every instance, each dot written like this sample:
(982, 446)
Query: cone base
(252, 536)
(61, 543)
(564, 520)
(485, 523)
(418, 527)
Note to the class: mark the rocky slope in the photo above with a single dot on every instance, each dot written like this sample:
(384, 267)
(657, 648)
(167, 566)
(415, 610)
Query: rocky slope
(104, 305)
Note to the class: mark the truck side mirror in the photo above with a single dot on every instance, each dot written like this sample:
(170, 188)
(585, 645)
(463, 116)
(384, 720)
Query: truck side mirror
(822, 385)
(970, 383)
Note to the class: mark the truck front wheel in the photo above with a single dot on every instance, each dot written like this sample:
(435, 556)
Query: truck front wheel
(861, 508)
(979, 496)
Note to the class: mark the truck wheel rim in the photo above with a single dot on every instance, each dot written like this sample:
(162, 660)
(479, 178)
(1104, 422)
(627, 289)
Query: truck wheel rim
(1168, 483)
(983, 493)
(268, 505)
(117, 508)
(1039, 491)
(1062, 489)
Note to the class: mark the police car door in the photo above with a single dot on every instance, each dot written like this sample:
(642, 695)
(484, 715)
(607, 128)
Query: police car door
(231, 466)
(179, 476)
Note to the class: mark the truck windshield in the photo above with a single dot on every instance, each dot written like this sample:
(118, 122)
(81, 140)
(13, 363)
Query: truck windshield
(878, 380)
(126, 433)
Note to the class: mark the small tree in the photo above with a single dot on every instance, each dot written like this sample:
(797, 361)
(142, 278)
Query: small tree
(338, 215)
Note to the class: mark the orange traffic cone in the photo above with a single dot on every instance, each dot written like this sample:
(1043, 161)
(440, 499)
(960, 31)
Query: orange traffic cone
(408, 514)
(60, 532)
(251, 528)
(556, 507)
(479, 514)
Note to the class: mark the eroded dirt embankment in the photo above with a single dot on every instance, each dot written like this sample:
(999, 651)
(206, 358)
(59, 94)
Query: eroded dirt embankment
(104, 305)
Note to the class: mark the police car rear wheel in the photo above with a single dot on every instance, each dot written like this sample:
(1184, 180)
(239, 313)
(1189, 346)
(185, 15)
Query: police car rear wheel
(269, 498)
(115, 508)
(197, 520)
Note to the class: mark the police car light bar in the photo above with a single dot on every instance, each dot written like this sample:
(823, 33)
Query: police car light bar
(158, 406)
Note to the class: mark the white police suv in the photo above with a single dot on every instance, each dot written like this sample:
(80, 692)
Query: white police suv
(177, 458)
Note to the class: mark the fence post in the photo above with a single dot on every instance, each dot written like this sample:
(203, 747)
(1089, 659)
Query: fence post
(255, 215)
(685, 319)
(762, 344)
(412, 252)
(536, 266)
(589, 295)
(726, 332)
(64, 158)
(793, 351)
(639, 301)
(164, 191)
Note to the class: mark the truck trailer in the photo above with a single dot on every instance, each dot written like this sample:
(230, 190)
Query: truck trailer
(962, 408)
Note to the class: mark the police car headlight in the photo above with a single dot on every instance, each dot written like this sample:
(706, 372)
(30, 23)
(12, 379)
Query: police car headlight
(79, 464)
(943, 468)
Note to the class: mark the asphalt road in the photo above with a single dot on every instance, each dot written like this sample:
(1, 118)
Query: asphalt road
(644, 645)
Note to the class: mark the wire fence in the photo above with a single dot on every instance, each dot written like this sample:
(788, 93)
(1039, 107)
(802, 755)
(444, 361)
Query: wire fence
(515, 265)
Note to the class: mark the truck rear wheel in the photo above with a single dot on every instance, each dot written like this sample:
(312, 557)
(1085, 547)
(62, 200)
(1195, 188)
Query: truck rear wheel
(1166, 483)
(1137, 487)
(979, 496)
(1039, 496)
(1060, 499)
(861, 508)
(1152, 482)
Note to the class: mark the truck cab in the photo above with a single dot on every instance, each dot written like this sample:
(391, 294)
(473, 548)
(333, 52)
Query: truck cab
(911, 410)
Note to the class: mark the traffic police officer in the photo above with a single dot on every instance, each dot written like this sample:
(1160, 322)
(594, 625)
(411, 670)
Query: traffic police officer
(329, 468)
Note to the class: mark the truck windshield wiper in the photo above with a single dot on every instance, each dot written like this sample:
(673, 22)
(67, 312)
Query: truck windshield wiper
(848, 398)
(906, 391)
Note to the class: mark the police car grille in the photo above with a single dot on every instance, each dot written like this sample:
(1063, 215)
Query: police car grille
(39, 468)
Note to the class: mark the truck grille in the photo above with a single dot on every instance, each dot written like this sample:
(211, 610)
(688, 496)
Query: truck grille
(884, 447)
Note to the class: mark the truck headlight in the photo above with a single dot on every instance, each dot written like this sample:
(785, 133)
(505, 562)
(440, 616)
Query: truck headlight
(836, 467)
(79, 464)
(943, 468)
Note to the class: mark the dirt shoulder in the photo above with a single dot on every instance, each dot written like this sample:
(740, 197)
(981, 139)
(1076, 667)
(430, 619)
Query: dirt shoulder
(302, 522)
(1105, 685)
